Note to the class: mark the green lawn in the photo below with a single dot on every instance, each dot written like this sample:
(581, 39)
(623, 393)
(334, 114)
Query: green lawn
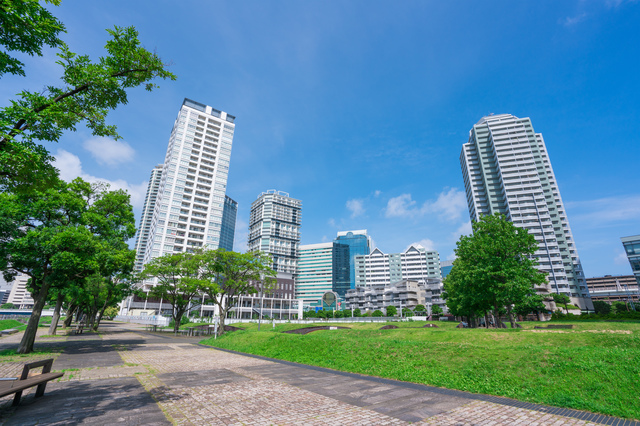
(10, 323)
(594, 367)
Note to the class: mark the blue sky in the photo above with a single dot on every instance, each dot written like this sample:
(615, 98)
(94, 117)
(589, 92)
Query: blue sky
(360, 108)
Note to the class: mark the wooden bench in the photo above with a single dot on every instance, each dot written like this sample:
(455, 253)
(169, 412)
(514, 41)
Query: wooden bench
(9, 331)
(7, 387)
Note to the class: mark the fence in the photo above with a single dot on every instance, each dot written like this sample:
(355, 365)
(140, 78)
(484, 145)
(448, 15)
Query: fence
(144, 319)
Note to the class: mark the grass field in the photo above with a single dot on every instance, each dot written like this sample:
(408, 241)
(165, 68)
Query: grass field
(10, 323)
(594, 367)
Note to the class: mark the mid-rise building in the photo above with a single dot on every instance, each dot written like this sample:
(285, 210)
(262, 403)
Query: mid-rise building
(506, 169)
(321, 268)
(19, 295)
(228, 229)
(191, 193)
(632, 249)
(414, 264)
(142, 237)
(274, 228)
(613, 288)
(358, 243)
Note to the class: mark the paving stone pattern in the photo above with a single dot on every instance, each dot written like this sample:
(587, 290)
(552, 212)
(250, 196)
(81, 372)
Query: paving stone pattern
(130, 377)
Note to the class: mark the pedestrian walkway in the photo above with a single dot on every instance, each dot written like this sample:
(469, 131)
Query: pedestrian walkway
(128, 376)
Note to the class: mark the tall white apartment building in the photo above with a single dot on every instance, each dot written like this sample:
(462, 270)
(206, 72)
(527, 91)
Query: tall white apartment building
(148, 208)
(274, 228)
(191, 193)
(506, 169)
(315, 272)
(415, 264)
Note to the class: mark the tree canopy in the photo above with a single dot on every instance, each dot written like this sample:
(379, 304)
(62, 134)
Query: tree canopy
(494, 269)
(89, 90)
(26, 26)
(60, 236)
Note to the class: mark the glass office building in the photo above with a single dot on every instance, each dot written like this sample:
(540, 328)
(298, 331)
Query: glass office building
(632, 248)
(228, 229)
(359, 244)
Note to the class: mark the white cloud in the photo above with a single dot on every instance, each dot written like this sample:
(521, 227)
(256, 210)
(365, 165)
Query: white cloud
(621, 259)
(356, 207)
(324, 239)
(70, 168)
(464, 229)
(401, 206)
(570, 21)
(426, 243)
(241, 236)
(109, 151)
(449, 205)
(452, 256)
(377, 193)
(332, 222)
(606, 211)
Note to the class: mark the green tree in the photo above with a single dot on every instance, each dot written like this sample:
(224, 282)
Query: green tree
(494, 269)
(561, 299)
(111, 312)
(226, 275)
(601, 307)
(8, 306)
(420, 310)
(56, 235)
(357, 312)
(178, 282)
(436, 310)
(377, 313)
(26, 26)
(391, 311)
(619, 306)
(407, 312)
(533, 303)
(89, 90)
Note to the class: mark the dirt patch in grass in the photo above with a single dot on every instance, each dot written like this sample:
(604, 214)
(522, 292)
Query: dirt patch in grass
(308, 330)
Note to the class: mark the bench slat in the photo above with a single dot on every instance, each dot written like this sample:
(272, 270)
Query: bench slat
(7, 388)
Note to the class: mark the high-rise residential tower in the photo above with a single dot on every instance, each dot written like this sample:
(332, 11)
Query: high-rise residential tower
(190, 202)
(274, 228)
(148, 208)
(506, 169)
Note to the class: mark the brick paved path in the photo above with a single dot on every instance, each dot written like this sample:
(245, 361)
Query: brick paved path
(127, 376)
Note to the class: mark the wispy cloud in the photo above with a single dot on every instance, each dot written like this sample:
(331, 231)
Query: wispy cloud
(241, 236)
(621, 259)
(464, 229)
(70, 168)
(449, 206)
(606, 211)
(356, 207)
(109, 151)
(570, 21)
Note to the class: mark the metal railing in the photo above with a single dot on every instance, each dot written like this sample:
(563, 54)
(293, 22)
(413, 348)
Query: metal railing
(144, 319)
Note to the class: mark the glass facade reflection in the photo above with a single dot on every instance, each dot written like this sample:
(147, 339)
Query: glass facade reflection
(632, 249)
(359, 244)
(228, 229)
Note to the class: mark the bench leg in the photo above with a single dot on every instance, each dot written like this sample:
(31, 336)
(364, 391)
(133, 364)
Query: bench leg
(16, 399)
(40, 389)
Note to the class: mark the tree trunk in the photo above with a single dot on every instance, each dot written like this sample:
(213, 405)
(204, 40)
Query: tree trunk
(100, 314)
(56, 315)
(29, 336)
(512, 319)
(67, 322)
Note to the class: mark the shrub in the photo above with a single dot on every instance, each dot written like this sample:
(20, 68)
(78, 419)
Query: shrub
(377, 313)
(601, 307)
(8, 306)
(391, 311)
